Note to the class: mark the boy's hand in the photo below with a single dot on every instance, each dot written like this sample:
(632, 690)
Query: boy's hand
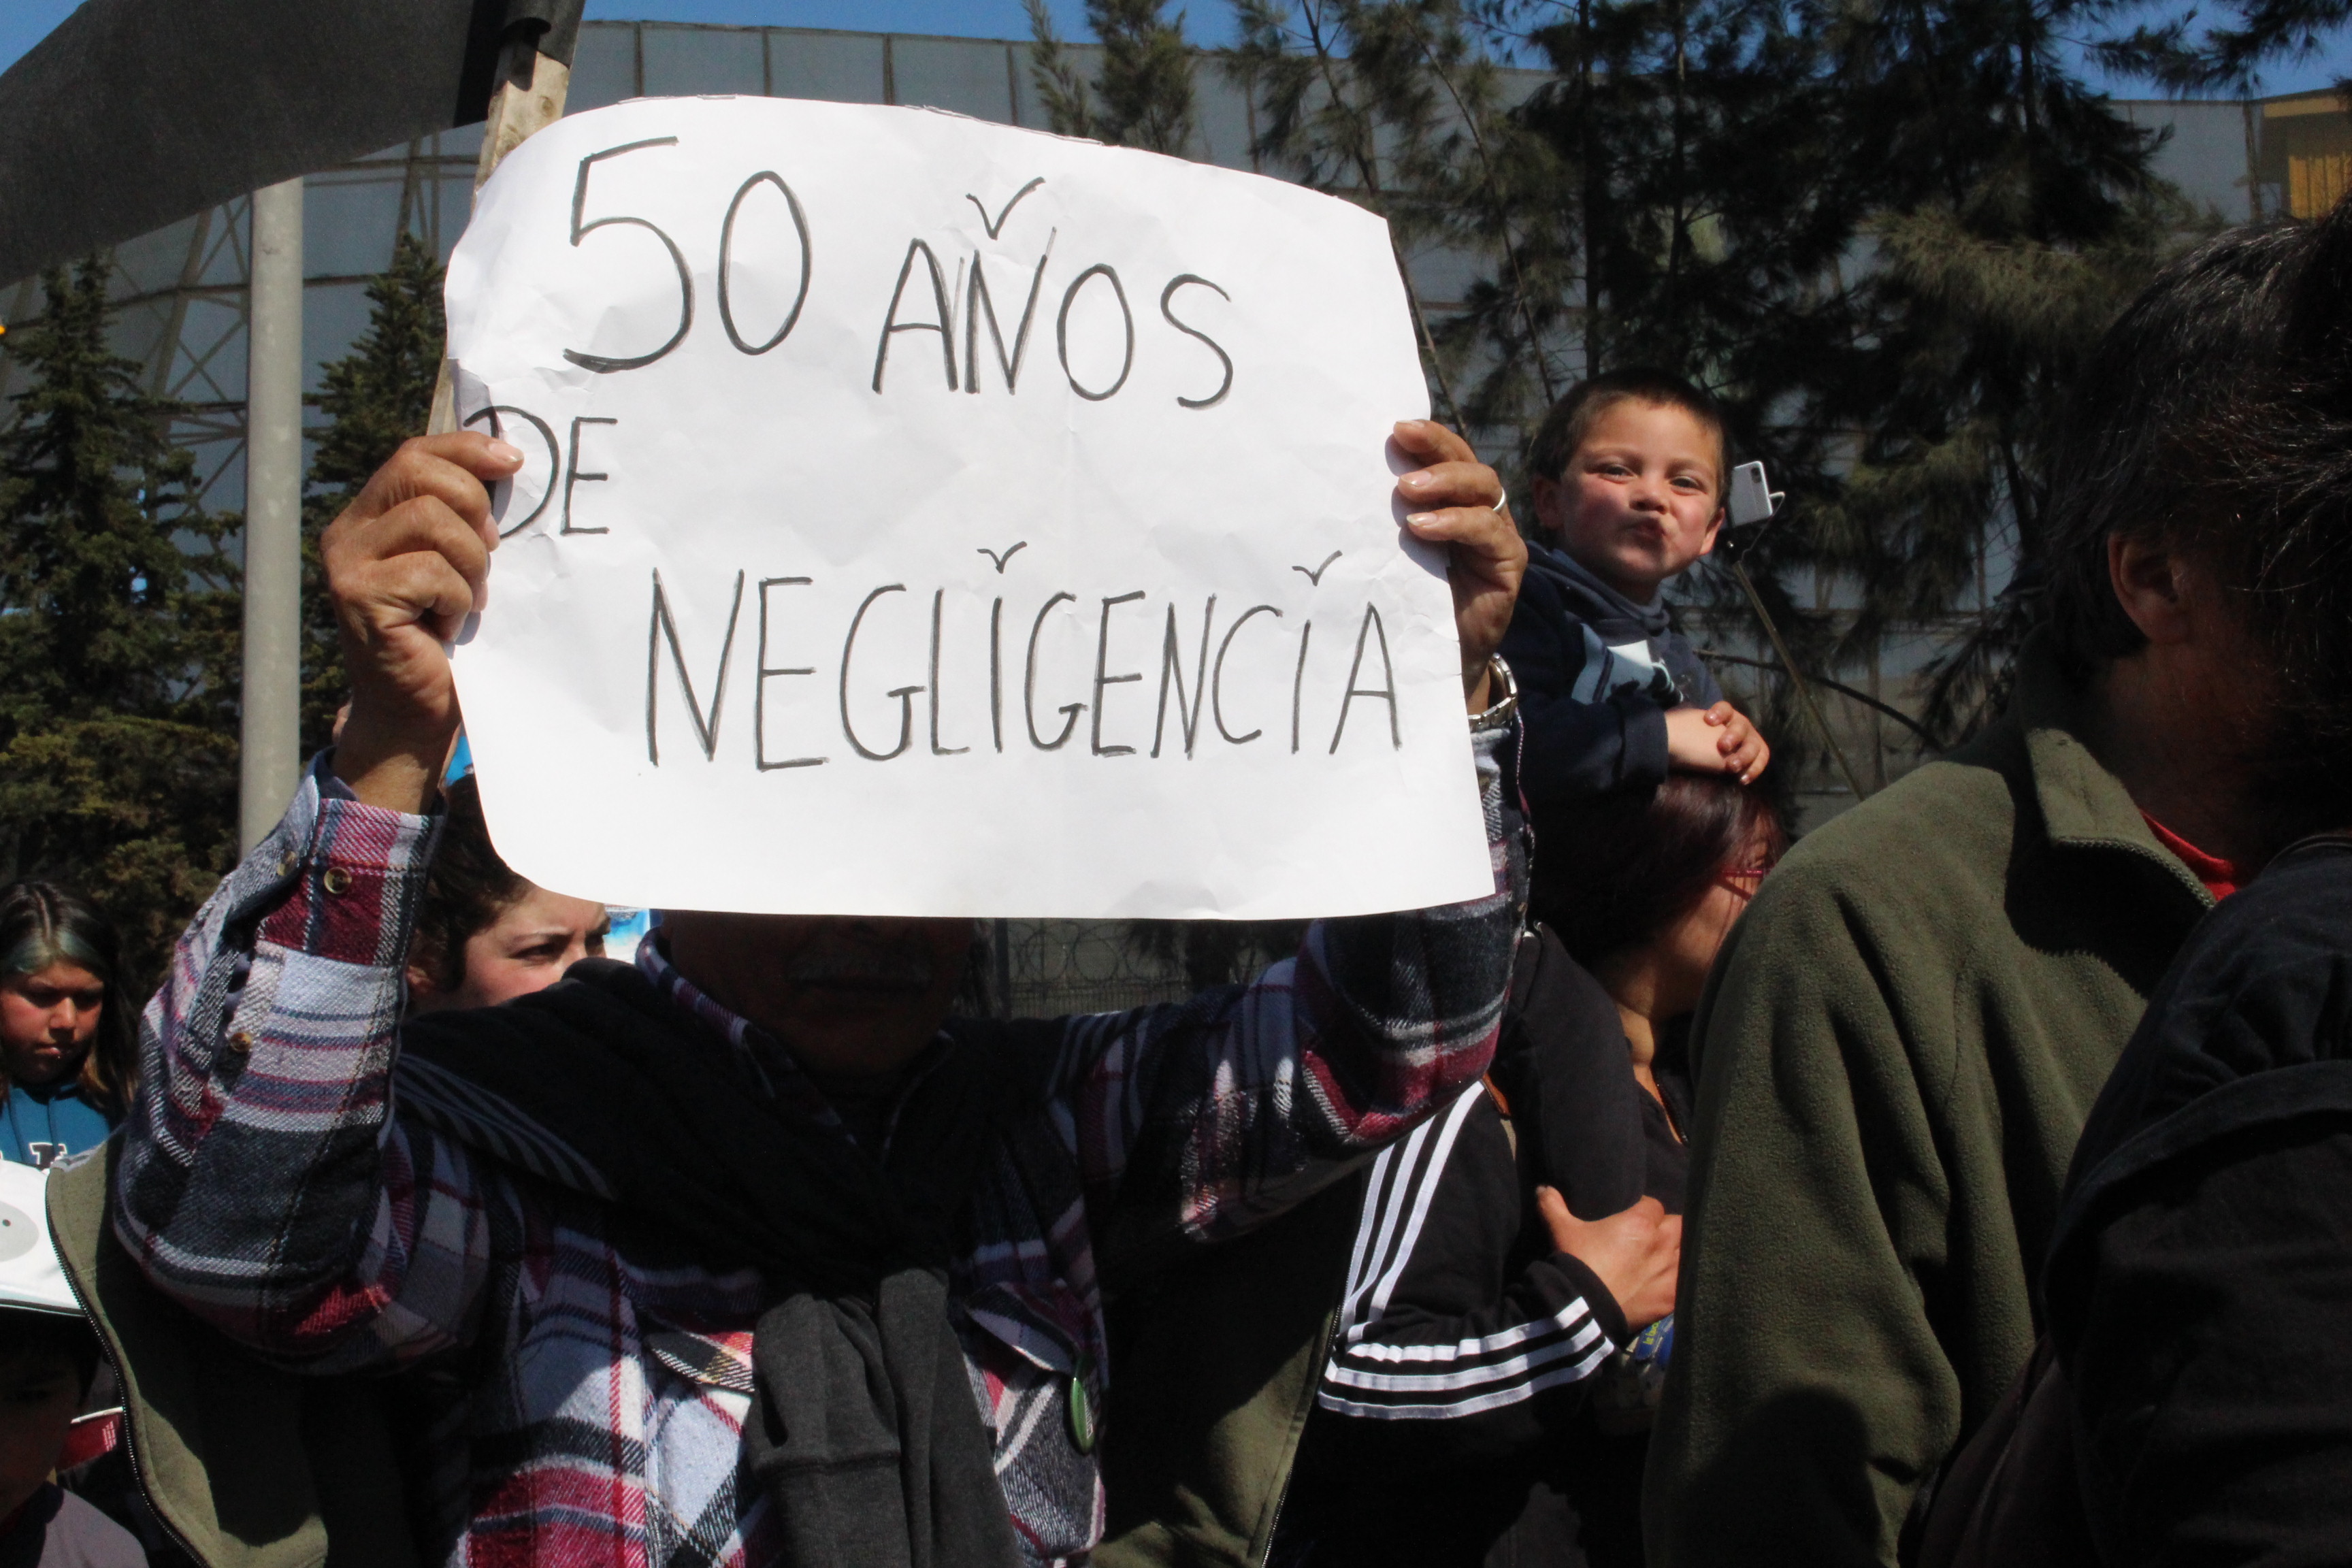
(1717, 740)
(405, 564)
(1635, 1253)
(1456, 502)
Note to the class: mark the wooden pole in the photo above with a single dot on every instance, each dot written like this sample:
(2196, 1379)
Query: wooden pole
(530, 98)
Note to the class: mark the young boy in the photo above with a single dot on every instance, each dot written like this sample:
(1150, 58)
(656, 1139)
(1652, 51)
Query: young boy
(1627, 472)
(48, 1356)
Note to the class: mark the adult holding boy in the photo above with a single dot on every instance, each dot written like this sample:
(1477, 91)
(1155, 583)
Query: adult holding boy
(1627, 472)
(742, 1255)
(1901, 1043)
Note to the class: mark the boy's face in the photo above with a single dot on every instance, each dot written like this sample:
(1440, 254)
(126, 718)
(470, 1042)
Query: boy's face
(1642, 498)
(40, 1390)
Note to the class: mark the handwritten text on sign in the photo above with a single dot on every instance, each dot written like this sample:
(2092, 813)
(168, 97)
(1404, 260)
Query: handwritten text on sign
(927, 517)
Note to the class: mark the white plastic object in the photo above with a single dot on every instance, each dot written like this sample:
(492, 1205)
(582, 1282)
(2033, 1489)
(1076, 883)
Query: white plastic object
(30, 1279)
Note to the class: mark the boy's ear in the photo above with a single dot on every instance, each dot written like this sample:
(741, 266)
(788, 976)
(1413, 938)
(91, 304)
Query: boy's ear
(1714, 530)
(1551, 500)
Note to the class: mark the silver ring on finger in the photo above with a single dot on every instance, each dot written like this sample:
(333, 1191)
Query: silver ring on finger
(1501, 498)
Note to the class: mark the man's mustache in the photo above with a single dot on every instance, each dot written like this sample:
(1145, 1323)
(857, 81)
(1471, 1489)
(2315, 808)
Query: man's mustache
(849, 964)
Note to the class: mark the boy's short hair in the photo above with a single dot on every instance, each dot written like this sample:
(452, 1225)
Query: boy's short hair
(1572, 417)
(36, 1338)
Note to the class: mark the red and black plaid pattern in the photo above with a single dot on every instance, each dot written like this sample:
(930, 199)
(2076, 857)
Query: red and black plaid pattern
(583, 1391)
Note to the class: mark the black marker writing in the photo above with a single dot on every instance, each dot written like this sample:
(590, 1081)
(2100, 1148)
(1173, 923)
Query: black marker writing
(727, 261)
(604, 364)
(1062, 331)
(978, 303)
(1299, 678)
(998, 227)
(767, 671)
(662, 625)
(939, 601)
(1029, 690)
(944, 326)
(905, 694)
(996, 671)
(1386, 691)
(555, 456)
(1102, 655)
(1315, 578)
(1171, 667)
(1217, 680)
(1167, 294)
(573, 476)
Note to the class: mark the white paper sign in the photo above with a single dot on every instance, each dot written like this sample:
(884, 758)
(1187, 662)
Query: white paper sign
(924, 517)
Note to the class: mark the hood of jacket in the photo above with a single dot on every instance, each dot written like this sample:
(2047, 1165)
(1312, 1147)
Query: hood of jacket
(1610, 613)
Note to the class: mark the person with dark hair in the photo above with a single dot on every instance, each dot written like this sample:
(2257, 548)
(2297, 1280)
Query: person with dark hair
(748, 1252)
(1628, 473)
(67, 1056)
(1904, 1035)
(486, 934)
(1509, 1298)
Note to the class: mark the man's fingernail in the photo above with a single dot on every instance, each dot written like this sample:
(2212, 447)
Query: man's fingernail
(1416, 479)
(1422, 519)
(506, 454)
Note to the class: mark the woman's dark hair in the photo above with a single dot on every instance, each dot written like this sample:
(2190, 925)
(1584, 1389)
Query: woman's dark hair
(1573, 417)
(1614, 872)
(466, 890)
(41, 924)
(2216, 416)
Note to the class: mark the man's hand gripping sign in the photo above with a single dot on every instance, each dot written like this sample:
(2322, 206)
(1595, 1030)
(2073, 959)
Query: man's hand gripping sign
(898, 514)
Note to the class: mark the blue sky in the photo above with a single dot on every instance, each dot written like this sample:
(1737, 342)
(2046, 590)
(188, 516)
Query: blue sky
(23, 22)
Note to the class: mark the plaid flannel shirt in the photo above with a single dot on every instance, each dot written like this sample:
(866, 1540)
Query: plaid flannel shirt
(577, 1395)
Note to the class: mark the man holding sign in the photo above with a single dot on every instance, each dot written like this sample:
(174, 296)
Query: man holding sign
(745, 1253)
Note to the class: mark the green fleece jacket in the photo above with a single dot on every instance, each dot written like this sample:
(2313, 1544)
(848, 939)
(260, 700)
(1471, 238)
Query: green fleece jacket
(1894, 1056)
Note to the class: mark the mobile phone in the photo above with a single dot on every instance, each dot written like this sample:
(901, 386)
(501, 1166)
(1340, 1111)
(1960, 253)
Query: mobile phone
(1752, 497)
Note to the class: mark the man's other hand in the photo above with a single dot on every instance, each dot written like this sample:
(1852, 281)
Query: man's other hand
(405, 565)
(1717, 740)
(1456, 502)
(1635, 1253)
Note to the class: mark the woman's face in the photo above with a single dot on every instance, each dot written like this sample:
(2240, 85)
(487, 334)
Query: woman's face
(526, 949)
(47, 1019)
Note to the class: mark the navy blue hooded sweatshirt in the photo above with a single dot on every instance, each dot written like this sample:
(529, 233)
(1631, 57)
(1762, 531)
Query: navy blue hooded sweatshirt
(1597, 673)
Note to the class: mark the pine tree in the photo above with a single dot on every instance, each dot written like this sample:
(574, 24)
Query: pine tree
(2015, 213)
(1883, 236)
(376, 396)
(1142, 97)
(1364, 99)
(2227, 57)
(117, 634)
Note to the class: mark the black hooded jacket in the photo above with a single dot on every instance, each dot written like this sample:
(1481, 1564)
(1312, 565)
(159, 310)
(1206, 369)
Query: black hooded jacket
(1597, 673)
(2199, 1283)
